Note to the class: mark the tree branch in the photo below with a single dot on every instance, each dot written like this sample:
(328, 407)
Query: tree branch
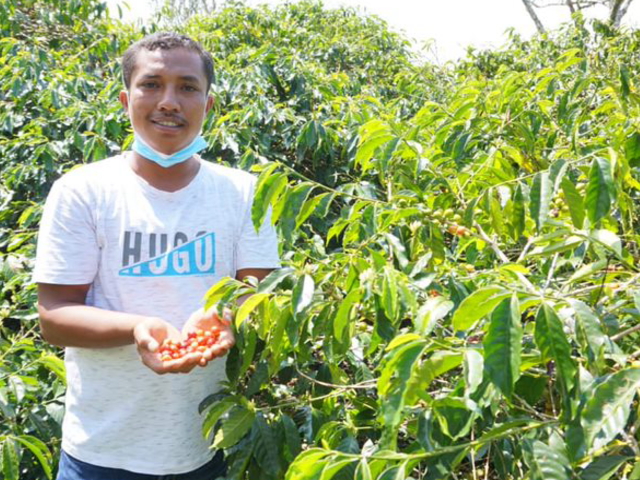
(534, 16)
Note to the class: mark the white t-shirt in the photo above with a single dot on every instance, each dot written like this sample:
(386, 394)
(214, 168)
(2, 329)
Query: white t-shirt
(150, 252)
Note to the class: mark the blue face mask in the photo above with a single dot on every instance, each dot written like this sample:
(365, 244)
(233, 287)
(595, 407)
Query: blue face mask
(166, 161)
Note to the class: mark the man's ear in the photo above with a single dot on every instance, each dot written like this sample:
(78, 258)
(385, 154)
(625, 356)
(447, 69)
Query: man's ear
(124, 100)
(210, 102)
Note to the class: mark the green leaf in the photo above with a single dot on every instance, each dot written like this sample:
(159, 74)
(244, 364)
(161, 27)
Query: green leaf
(310, 206)
(606, 412)
(266, 192)
(341, 320)
(234, 427)
(553, 344)
(503, 345)
(473, 368)
(545, 462)
(498, 430)
(625, 82)
(214, 412)
(363, 471)
(308, 465)
(302, 295)
(248, 306)
(477, 305)
(294, 202)
(600, 190)
(40, 451)
(275, 278)
(603, 467)
(390, 292)
(541, 193)
(265, 446)
(557, 172)
(334, 466)
(632, 149)
(587, 271)
(437, 364)
(55, 365)
(18, 387)
(558, 245)
(258, 379)
(454, 416)
(589, 329)
(239, 462)
(276, 336)
(373, 135)
(393, 383)
(574, 201)
(518, 212)
(219, 290)
(10, 460)
(609, 240)
(292, 436)
(433, 310)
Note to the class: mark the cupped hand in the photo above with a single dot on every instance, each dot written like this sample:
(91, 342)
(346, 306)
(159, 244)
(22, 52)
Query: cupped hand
(209, 320)
(149, 335)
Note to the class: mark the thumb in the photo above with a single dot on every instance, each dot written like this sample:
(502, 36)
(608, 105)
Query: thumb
(227, 316)
(145, 340)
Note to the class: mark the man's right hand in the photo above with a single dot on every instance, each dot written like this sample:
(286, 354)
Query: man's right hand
(149, 335)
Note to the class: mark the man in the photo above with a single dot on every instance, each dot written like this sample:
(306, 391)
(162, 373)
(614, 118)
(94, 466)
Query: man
(128, 247)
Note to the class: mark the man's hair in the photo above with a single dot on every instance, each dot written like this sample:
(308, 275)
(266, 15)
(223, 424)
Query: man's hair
(165, 41)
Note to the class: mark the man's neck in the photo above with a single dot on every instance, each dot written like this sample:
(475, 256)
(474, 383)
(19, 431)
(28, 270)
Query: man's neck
(167, 179)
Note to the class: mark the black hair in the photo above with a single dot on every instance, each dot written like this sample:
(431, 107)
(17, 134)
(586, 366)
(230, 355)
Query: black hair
(165, 41)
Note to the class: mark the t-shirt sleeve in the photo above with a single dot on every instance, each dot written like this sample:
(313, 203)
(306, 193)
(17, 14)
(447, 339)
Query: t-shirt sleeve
(256, 249)
(68, 252)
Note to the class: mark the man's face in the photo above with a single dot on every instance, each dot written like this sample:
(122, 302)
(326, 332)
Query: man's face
(167, 99)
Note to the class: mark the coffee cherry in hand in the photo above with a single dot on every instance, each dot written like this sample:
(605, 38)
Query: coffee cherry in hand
(198, 341)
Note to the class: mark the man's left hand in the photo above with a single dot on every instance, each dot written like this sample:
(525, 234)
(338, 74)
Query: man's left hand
(207, 321)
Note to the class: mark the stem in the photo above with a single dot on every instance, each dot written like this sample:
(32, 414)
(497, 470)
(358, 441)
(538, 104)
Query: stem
(329, 189)
(280, 406)
(445, 450)
(625, 333)
(552, 269)
(364, 385)
(473, 455)
(504, 259)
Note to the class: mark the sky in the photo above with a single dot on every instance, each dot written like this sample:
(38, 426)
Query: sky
(441, 29)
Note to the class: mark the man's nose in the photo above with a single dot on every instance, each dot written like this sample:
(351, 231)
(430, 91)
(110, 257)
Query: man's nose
(169, 100)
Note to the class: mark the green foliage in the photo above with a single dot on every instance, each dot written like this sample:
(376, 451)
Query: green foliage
(460, 291)
(462, 299)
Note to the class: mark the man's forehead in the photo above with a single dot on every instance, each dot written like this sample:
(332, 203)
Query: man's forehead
(178, 61)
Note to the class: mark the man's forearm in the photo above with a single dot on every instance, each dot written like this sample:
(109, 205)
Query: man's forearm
(77, 325)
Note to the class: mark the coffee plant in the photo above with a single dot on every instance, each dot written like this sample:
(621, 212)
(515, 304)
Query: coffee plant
(459, 295)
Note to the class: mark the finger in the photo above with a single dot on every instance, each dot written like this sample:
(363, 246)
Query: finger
(151, 361)
(227, 316)
(219, 350)
(184, 364)
(147, 342)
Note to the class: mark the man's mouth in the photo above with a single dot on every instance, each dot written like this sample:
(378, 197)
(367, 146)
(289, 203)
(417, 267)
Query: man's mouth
(168, 123)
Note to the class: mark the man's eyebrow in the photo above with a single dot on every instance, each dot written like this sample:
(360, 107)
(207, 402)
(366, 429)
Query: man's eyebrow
(190, 78)
(186, 78)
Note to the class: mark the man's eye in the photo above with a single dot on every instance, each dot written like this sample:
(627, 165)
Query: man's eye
(190, 88)
(149, 84)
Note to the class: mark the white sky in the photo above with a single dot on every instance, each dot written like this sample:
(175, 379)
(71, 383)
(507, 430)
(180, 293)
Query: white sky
(443, 27)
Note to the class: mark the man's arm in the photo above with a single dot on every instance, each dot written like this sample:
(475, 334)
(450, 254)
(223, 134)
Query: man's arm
(259, 273)
(66, 321)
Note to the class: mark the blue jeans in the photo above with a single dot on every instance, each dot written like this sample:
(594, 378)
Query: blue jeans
(74, 469)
